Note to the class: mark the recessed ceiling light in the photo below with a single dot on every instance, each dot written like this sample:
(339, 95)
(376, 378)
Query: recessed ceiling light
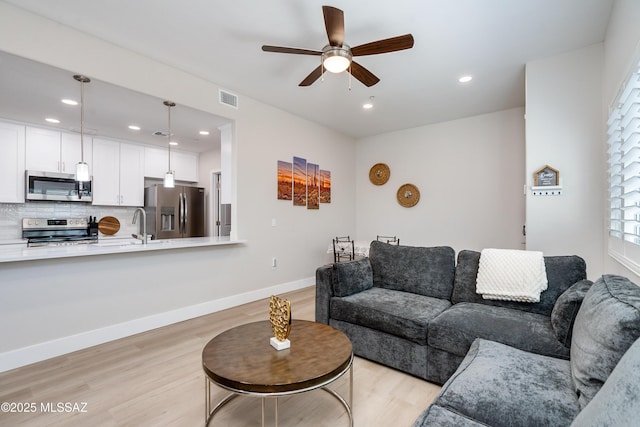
(134, 127)
(465, 79)
(173, 143)
(204, 132)
(52, 120)
(69, 102)
(369, 104)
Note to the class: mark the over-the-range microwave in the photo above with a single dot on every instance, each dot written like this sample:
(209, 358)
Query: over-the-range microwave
(56, 187)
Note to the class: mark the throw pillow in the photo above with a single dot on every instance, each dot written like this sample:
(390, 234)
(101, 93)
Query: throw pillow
(606, 325)
(565, 310)
(352, 277)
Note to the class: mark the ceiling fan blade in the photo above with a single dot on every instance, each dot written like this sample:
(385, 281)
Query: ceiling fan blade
(365, 76)
(334, 23)
(384, 46)
(294, 50)
(315, 75)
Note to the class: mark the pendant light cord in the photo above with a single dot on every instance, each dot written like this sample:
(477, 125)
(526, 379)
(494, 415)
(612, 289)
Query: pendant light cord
(169, 136)
(82, 121)
(82, 79)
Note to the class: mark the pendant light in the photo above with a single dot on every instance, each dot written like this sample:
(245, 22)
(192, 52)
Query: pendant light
(169, 178)
(82, 168)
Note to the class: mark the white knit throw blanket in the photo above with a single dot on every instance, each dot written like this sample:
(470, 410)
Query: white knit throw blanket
(511, 275)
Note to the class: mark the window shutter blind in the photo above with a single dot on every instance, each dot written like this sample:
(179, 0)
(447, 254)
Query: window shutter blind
(623, 129)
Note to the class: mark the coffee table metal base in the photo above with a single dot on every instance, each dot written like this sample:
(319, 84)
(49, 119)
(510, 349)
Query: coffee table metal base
(235, 393)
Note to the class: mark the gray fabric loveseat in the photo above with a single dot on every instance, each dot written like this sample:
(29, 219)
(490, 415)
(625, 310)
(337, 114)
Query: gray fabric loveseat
(500, 385)
(416, 310)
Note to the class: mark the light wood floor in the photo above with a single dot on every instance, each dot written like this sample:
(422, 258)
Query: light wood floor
(156, 379)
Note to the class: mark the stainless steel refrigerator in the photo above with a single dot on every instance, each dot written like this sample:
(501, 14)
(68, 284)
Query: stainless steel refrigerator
(175, 212)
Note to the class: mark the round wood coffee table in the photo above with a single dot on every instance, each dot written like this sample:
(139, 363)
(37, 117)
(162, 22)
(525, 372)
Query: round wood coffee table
(242, 361)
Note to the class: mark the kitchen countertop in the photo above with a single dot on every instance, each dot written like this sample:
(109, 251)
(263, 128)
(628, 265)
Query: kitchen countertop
(18, 251)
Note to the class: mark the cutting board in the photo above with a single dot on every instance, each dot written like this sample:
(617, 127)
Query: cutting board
(108, 225)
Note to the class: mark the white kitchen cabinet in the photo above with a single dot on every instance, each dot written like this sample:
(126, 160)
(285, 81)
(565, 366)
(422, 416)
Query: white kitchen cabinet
(52, 151)
(131, 175)
(185, 165)
(156, 164)
(70, 154)
(12, 177)
(118, 173)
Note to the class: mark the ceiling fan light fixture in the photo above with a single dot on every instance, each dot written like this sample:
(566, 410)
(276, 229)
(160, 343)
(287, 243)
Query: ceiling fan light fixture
(336, 59)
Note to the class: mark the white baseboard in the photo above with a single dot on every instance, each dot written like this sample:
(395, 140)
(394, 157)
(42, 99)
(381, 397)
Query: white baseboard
(46, 350)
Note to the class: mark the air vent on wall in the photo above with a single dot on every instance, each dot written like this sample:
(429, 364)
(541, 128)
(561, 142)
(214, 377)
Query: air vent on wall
(229, 99)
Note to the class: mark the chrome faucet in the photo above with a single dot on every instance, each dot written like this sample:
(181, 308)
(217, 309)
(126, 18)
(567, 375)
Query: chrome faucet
(142, 237)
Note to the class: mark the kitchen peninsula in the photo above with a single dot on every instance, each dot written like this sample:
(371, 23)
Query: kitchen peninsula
(19, 252)
(60, 299)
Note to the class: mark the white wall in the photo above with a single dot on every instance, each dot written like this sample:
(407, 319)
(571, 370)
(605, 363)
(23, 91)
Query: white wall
(207, 162)
(621, 44)
(57, 306)
(470, 176)
(564, 129)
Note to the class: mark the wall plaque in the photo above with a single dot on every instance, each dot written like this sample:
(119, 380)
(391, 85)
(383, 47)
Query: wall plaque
(546, 176)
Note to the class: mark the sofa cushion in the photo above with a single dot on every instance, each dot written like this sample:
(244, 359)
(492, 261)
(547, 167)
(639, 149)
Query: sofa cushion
(565, 310)
(455, 329)
(397, 313)
(618, 401)
(500, 385)
(419, 270)
(351, 277)
(606, 325)
(562, 272)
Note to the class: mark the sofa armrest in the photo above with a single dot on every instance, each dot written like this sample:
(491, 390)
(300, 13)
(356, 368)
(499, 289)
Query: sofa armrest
(324, 292)
(565, 310)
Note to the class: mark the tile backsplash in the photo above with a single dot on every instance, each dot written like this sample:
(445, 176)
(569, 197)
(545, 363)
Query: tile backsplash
(11, 215)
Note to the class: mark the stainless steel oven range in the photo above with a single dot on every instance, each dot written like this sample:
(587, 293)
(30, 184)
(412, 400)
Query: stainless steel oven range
(59, 231)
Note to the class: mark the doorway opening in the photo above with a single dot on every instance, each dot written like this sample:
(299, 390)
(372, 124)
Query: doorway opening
(221, 218)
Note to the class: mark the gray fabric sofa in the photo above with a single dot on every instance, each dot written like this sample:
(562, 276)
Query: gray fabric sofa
(415, 309)
(500, 385)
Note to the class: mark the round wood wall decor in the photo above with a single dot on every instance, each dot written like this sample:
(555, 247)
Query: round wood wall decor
(408, 195)
(379, 174)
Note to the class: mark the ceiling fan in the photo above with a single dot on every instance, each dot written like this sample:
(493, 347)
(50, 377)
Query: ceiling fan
(337, 56)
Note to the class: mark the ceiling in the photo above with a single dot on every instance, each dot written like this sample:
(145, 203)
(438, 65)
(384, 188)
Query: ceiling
(32, 91)
(221, 41)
